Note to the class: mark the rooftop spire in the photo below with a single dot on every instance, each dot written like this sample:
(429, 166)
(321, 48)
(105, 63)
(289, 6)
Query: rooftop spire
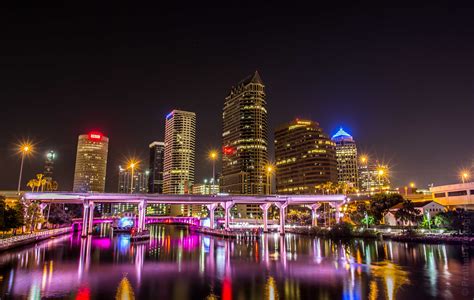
(341, 134)
(256, 78)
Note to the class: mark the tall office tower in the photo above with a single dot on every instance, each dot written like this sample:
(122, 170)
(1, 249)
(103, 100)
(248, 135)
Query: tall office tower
(305, 158)
(140, 181)
(49, 165)
(155, 180)
(245, 142)
(91, 163)
(179, 155)
(346, 154)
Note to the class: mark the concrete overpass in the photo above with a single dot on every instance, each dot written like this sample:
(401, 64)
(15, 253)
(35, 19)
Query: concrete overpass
(88, 200)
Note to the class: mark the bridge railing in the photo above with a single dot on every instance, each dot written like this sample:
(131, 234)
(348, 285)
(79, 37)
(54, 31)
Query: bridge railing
(20, 238)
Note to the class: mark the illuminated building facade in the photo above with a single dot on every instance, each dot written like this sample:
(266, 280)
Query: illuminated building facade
(91, 163)
(245, 142)
(179, 156)
(305, 158)
(371, 180)
(155, 179)
(346, 155)
(244, 138)
(205, 189)
(140, 181)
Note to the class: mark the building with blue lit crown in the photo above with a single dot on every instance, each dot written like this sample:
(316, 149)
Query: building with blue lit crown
(346, 155)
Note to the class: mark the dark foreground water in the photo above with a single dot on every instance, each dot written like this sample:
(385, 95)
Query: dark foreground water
(177, 264)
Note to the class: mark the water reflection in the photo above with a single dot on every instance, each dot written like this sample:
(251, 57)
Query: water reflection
(177, 264)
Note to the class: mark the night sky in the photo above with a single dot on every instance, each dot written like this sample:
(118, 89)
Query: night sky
(399, 79)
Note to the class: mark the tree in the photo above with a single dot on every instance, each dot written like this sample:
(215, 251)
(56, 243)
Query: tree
(456, 220)
(15, 217)
(3, 208)
(381, 203)
(408, 213)
(58, 215)
(298, 216)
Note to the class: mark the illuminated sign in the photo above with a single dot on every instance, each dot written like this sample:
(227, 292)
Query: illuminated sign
(95, 136)
(168, 116)
(228, 150)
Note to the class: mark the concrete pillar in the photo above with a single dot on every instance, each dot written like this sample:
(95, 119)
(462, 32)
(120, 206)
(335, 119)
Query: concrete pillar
(227, 206)
(314, 214)
(141, 216)
(212, 208)
(265, 208)
(282, 207)
(91, 217)
(85, 218)
(337, 206)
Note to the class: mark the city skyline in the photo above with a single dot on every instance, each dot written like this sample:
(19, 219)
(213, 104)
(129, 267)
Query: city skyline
(386, 98)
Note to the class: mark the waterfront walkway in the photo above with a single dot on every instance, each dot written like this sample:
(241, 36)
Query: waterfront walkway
(20, 240)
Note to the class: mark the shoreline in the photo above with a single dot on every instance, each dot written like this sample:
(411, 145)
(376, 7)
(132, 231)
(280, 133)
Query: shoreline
(22, 240)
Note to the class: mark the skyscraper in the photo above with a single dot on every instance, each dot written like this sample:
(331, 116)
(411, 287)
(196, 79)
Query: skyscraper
(346, 154)
(244, 138)
(91, 163)
(305, 158)
(49, 165)
(155, 179)
(179, 154)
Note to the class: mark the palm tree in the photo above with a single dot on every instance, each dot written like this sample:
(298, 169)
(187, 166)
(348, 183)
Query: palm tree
(32, 184)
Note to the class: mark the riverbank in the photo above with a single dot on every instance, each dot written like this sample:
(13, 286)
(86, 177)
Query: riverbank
(431, 239)
(25, 239)
(346, 233)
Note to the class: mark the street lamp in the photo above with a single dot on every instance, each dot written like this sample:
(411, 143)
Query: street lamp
(465, 175)
(270, 169)
(213, 157)
(25, 149)
(132, 164)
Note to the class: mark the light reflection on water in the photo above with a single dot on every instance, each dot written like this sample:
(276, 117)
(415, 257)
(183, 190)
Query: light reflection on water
(177, 264)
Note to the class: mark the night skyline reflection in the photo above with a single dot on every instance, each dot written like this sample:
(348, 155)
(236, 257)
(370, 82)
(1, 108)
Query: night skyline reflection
(178, 264)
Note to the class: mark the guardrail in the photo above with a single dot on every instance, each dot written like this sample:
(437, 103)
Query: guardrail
(27, 238)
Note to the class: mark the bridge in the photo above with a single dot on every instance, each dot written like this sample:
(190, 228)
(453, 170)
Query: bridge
(89, 200)
(193, 221)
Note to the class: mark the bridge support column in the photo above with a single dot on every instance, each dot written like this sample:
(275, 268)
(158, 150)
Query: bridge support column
(85, 219)
(265, 208)
(282, 207)
(314, 214)
(91, 217)
(227, 206)
(337, 206)
(141, 216)
(212, 208)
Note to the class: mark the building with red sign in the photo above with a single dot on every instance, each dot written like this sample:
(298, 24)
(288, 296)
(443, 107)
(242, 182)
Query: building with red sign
(91, 163)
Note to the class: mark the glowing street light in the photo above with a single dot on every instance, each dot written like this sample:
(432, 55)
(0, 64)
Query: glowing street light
(269, 170)
(465, 175)
(132, 164)
(25, 149)
(213, 155)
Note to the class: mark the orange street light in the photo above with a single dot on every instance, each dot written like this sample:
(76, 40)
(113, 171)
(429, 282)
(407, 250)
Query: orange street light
(25, 149)
(465, 175)
(213, 155)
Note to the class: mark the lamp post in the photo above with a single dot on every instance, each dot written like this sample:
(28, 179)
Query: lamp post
(213, 157)
(269, 176)
(464, 176)
(25, 149)
(132, 164)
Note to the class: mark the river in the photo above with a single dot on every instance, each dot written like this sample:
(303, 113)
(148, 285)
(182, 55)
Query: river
(179, 264)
